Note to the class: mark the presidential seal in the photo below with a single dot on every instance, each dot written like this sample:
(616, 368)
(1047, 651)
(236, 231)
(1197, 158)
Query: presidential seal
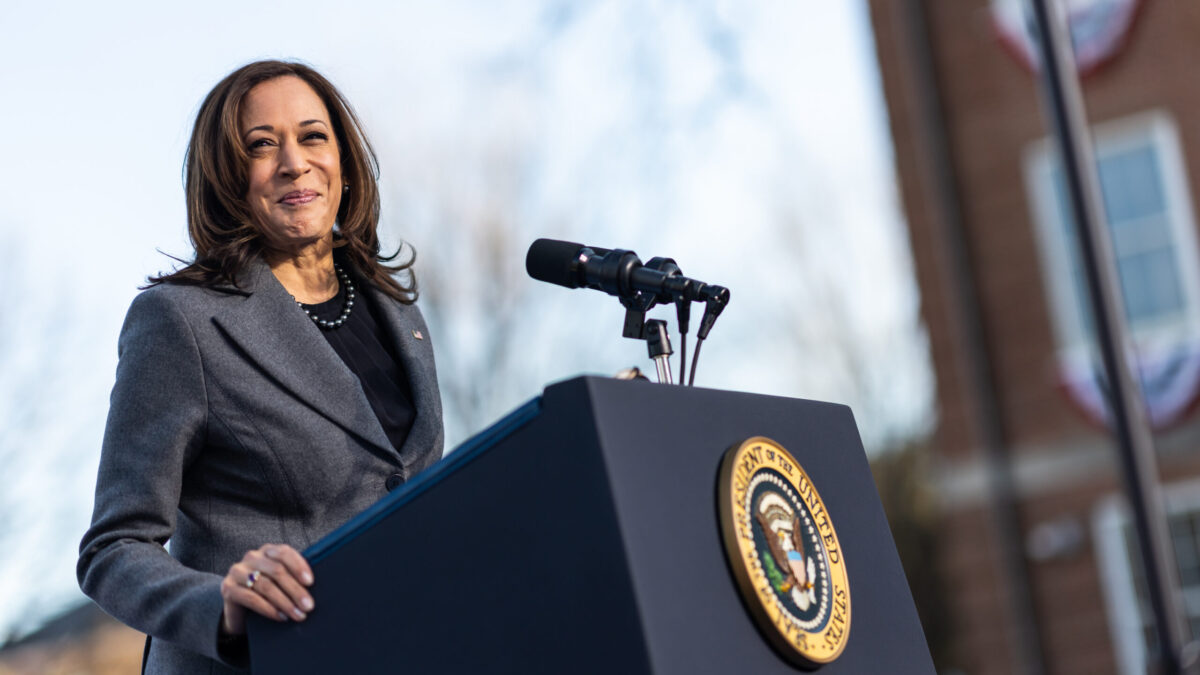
(784, 552)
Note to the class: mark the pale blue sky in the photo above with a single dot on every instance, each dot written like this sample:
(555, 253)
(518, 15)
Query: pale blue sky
(747, 140)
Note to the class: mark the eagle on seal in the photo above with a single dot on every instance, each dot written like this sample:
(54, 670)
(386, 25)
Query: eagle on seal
(787, 552)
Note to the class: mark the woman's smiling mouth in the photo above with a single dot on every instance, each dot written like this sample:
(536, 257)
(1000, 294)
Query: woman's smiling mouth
(298, 197)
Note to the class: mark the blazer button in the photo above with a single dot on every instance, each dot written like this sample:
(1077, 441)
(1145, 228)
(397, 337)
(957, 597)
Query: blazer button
(393, 481)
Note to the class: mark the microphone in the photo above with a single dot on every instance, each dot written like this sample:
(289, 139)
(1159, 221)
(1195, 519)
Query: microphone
(715, 299)
(616, 272)
(558, 262)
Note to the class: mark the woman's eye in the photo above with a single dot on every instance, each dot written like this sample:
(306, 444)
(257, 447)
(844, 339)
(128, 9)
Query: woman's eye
(258, 143)
(316, 135)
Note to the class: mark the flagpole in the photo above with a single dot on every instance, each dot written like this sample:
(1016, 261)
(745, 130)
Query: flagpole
(1135, 445)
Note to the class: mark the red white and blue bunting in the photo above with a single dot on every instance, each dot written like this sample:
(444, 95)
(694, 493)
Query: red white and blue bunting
(1099, 29)
(1169, 379)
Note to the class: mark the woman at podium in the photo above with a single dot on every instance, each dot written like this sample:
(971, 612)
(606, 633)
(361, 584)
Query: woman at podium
(267, 391)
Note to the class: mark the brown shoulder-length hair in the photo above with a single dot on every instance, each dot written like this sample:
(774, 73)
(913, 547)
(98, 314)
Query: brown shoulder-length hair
(220, 224)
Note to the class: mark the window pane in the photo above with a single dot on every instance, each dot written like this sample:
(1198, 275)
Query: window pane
(1183, 536)
(1135, 206)
(1131, 184)
(1184, 528)
(1135, 236)
(1150, 284)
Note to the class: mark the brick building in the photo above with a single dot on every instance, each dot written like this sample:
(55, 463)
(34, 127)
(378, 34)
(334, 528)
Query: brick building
(1035, 548)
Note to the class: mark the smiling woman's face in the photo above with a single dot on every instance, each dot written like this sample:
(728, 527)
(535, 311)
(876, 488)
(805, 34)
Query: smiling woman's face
(295, 173)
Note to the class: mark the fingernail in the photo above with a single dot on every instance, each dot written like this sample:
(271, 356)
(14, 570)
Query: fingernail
(282, 616)
(298, 614)
(306, 578)
(307, 604)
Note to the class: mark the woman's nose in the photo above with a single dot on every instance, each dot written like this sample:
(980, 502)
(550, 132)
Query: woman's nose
(292, 161)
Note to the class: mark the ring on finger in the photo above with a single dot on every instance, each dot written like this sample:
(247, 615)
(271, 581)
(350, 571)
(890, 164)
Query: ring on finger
(251, 579)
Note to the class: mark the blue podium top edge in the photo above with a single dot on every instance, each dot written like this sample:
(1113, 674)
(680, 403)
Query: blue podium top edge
(427, 479)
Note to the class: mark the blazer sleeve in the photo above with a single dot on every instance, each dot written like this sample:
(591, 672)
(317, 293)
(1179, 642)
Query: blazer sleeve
(156, 425)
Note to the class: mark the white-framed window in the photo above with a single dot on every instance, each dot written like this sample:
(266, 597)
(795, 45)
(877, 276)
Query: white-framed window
(1148, 205)
(1123, 582)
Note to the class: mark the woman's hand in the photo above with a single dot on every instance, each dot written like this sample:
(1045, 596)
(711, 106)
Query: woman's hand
(271, 580)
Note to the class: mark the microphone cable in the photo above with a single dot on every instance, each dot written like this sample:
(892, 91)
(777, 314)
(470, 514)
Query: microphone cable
(695, 360)
(683, 311)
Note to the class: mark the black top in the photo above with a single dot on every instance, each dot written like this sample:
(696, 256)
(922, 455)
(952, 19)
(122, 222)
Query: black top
(367, 350)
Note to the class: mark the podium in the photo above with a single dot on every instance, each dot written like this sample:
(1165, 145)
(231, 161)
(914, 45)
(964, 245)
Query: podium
(581, 534)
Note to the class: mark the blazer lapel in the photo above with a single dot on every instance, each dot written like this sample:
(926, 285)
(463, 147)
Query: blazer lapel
(286, 344)
(414, 348)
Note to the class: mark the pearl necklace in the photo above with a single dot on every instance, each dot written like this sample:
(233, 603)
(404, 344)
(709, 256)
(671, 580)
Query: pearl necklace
(338, 322)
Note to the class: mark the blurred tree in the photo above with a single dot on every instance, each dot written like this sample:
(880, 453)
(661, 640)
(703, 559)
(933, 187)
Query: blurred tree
(530, 156)
(473, 290)
(39, 434)
(866, 362)
(902, 478)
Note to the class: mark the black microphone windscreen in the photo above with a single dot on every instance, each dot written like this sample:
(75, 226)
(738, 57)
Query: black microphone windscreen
(553, 261)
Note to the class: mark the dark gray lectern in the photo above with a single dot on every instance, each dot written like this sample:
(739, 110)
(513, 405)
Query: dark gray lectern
(580, 535)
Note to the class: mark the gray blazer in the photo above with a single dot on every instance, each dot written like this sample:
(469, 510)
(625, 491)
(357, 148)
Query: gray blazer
(233, 424)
